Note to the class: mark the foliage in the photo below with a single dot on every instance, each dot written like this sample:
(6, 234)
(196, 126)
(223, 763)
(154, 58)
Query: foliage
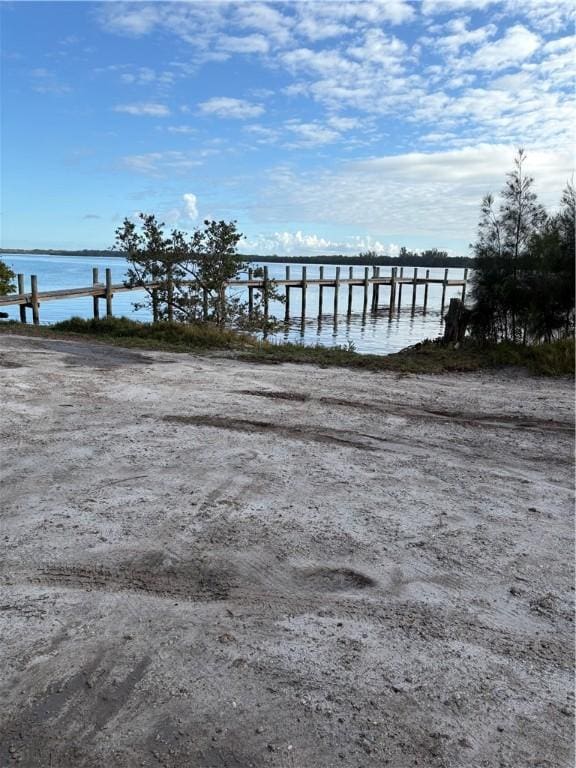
(430, 356)
(6, 277)
(186, 278)
(523, 282)
(166, 335)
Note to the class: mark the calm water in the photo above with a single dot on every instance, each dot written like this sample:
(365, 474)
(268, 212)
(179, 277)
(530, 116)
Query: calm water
(372, 333)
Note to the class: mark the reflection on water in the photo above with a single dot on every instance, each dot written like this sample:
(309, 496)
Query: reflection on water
(378, 333)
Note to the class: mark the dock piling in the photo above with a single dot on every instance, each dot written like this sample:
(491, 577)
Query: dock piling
(414, 289)
(21, 290)
(400, 286)
(393, 290)
(426, 291)
(250, 293)
(321, 293)
(350, 277)
(287, 296)
(95, 304)
(444, 284)
(366, 287)
(336, 288)
(375, 290)
(109, 293)
(265, 293)
(34, 300)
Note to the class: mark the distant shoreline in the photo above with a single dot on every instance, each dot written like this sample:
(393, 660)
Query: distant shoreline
(411, 260)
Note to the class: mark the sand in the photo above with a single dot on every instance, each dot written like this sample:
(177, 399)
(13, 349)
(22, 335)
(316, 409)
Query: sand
(207, 562)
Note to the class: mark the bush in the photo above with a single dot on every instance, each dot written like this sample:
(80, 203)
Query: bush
(6, 277)
(164, 334)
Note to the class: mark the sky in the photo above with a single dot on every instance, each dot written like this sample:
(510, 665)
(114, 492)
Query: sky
(319, 126)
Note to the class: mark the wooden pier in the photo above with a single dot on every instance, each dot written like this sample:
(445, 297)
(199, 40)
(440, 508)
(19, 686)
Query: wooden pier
(370, 286)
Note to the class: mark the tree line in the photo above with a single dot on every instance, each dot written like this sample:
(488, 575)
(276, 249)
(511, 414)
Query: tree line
(432, 257)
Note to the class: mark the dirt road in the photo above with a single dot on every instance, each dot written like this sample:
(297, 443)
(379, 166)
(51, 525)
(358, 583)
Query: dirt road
(209, 563)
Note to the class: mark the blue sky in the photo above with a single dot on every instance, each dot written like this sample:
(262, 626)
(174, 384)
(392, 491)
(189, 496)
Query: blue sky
(322, 127)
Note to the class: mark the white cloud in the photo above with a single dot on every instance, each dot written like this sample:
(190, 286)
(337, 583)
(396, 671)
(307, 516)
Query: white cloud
(459, 36)
(223, 106)
(143, 109)
(147, 76)
(517, 45)
(135, 21)
(311, 134)
(299, 243)
(545, 15)
(246, 44)
(46, 81)
(435, 7)
(160, 164)
(180, 129)
(191, 205)
(344, 123)
(264, 18)
(434, 194)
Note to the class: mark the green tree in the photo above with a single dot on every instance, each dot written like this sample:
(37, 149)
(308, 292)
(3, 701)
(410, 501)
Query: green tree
(6, 277)
(506, 262)
(186, 278)
(551, 280)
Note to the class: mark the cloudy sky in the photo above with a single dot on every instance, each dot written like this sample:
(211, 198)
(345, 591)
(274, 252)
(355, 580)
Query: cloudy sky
(322, 127)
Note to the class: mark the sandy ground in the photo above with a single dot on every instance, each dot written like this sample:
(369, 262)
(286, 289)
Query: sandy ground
(212, 563)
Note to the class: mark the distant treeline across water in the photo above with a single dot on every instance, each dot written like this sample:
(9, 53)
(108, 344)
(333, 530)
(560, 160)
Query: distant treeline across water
(429, 258)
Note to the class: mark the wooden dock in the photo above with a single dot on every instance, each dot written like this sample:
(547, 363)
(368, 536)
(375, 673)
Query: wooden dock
(370, 282)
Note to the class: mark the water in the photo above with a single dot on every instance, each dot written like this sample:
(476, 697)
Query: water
(375, 333)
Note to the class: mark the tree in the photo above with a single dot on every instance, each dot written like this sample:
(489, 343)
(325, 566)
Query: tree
(6, 277)
(508, 263)
(186, 278)
(552, 279)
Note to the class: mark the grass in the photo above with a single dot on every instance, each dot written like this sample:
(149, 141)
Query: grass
(175, 337)
(554, 359)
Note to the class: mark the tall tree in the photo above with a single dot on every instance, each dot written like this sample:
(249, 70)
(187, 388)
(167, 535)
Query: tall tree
(504, 259)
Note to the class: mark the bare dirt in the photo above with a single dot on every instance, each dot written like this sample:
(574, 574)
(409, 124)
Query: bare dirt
(210, 563)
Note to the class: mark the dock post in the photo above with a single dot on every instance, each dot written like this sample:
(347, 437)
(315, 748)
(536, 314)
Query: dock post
(265, 293)
(95, 305)
(444, 284)
(426, 291)
(108, 292)
(375, 290)
(250, 293)
(465, 284)
(22, 289)
(366, 285)
(414, 289)
(336, 287)
(34, 300)
(304, 287)
(287, 294)
(393, 290)
(350, 277)
(321, 293)
(400, 286)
